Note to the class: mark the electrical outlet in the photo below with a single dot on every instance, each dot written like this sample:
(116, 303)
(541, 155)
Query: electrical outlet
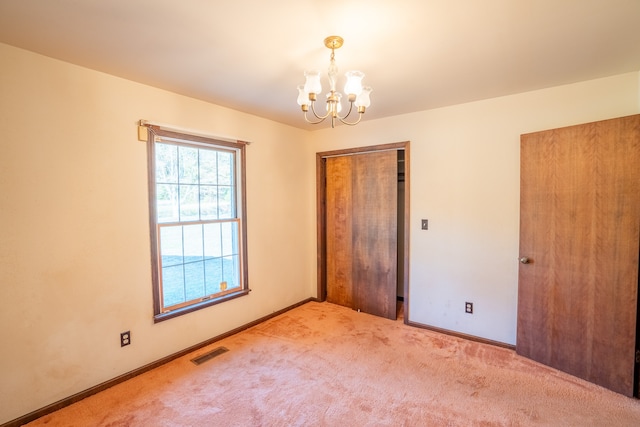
(468, 307)
(125, 338)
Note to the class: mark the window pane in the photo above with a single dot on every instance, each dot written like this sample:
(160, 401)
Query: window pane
(225, 168)
(173, 285)
(188, 165)
(213, 275)
(171, 246)
(189, 203)
(212, 241)
(167, 206)
(208, 167)
(226, 203)
(230, 271)
(193, 243)
(208, 202)
(194, 280)
(166, 163)
(229, 238)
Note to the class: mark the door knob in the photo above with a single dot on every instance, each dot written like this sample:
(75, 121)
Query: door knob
(524, 260)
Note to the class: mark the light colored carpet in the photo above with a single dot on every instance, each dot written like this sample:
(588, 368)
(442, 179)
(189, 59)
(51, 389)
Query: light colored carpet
(325, 365)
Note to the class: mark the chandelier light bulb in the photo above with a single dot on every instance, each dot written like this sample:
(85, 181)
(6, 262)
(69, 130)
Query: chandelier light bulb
(312, 85)
(354, 83)
(303, 97)
(363, 99)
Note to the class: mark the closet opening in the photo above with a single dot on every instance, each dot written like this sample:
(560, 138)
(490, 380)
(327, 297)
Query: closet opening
(362, 218)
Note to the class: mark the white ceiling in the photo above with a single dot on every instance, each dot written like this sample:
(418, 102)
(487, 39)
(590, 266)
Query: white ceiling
(417, 54)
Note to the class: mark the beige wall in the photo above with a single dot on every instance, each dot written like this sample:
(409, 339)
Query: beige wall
(74, 244)
(74, 230)
(465, 179)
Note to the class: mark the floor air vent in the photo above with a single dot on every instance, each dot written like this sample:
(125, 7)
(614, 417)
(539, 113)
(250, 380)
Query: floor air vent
(209, 355)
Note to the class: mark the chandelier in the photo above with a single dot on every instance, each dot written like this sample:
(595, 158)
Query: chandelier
(357, 95)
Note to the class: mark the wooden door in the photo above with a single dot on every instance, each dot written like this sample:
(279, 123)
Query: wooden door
(361, 231)
(579, 228)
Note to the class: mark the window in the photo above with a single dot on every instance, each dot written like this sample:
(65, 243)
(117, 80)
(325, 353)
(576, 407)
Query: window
(198, 229)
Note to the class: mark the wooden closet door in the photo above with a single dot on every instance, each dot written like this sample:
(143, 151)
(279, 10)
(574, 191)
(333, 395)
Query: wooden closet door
(579, 228)
(361, 194)
(339, 192)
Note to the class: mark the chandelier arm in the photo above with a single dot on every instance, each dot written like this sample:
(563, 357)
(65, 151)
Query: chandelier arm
(313, 110)
(348, 112)
(306, 119)
(352, 123)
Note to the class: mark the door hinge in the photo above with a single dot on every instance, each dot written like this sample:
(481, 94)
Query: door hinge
(637, 356)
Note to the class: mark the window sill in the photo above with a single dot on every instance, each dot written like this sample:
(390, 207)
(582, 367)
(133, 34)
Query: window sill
(198, 306)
